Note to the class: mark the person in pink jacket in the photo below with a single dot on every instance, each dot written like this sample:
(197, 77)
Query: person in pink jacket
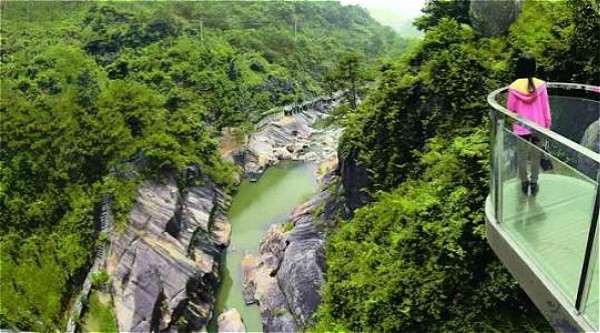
(528, 98)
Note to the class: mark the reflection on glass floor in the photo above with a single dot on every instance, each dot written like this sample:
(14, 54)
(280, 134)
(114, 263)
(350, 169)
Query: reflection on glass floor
(552, 228)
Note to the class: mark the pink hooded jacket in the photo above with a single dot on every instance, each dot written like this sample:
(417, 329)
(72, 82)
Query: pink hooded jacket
(532, 106)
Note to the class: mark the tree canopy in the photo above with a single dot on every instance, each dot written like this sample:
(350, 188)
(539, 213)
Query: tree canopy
(98, 96)
(416, 259)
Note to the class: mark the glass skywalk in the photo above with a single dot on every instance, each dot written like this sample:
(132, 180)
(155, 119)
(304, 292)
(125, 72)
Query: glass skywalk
(549, 242)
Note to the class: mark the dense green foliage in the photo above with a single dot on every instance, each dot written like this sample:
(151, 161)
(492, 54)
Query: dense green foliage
(433, 13)
(416, 259)
(564, 40)
(437, 89)
(98, 96)
(350, 76)
(99, 317)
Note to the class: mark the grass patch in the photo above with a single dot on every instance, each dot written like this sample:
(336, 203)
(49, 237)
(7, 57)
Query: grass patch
(287, 226)
(99, 316)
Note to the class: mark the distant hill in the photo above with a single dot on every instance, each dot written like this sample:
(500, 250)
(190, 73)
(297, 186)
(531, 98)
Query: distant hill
(404, 27)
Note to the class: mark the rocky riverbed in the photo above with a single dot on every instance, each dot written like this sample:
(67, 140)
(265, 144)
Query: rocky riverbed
(164, 267)
(289, 137)
(286, 275)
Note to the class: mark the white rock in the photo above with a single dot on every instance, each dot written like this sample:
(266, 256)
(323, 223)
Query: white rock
(231, 321)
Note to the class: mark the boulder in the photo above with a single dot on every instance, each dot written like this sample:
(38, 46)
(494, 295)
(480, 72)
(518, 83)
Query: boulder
(164, 267)
(261, 286)
(310, 157)
(286, 277)
(283, 154)
(493, 18)
(249, 267)
(282, 138)
(590, 140)
(301, 276)
(274, 242)
(231, 321)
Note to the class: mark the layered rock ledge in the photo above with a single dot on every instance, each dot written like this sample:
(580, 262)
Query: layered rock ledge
(286, 137)
(286, 276)
(164, 267)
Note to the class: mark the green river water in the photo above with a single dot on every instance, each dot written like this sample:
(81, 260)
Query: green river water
(254, 208)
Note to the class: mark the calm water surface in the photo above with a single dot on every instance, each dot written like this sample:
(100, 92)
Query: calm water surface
(254, 208)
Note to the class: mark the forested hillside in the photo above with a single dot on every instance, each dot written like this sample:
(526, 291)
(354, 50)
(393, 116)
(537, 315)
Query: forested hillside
(416, 260)
(98, 96)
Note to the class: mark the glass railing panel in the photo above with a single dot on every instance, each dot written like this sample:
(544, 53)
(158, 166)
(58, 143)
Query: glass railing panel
(592, 305)
(551, 227)
(496, 151)
(573, 116)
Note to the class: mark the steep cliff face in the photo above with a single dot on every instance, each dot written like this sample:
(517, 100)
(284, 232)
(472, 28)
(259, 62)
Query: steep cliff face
(300, 275)
(355, 181)
(164, 267)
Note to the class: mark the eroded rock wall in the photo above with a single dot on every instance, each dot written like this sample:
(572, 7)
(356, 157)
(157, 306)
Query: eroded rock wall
(164, 267)
(355, 180)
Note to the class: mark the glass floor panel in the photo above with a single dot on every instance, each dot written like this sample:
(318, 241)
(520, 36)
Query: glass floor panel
(592, 308)
(552, 228)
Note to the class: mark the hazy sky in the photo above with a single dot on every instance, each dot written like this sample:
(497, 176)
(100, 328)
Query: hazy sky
(397, 14)
(402, 9)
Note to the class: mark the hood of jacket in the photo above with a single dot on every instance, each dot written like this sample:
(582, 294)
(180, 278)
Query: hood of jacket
(527, 97)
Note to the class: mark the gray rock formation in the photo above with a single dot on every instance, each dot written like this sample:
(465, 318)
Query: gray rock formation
(301, 273)
(355, 179)
(590, 140)
(287, 275)
(286, 138)
(231, 321)
(164, 266)
(261, 285)
(493, 18)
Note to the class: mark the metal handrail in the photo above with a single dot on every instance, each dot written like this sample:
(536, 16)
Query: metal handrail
(568, 86)
(584, 274)
(584, 277)
(491, 98)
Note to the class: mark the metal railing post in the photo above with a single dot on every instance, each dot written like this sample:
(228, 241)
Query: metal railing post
(590, 252)
(493, 163)
(498, 154)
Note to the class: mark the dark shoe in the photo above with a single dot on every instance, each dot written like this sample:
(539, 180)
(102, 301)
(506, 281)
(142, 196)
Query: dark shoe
(534, 188)
(524, 187)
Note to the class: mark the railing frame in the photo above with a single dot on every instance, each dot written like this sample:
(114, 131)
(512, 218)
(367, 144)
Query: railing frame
(591, 248)
(491, 99)
(499, 114)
